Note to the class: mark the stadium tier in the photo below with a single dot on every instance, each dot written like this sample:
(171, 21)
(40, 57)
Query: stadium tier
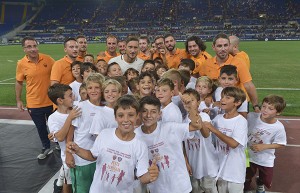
(56, 19)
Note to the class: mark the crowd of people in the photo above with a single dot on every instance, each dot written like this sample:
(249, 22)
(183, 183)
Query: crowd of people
(147, 116)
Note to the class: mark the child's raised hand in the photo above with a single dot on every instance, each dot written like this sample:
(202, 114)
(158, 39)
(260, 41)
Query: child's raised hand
(75, 112)
(153, 171)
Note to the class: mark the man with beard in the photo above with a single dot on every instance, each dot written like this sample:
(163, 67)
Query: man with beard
(82, 46)
(196, 49)
(122, 46)
(35, 69)
(173, 55)
(212, 66)
(111, 49)
(129, 59)
(144, 53)
(235, 52)
(61, 70)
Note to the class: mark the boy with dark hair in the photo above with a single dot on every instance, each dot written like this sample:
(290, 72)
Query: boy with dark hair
(230, 130)
(189, 65)
(120, 154)
(164, 141)
(59, 124)
(266, 134)
(75, 85)
(86, 69)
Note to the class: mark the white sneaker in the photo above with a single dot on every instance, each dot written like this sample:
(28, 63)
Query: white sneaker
(260, 189)
(44, 153)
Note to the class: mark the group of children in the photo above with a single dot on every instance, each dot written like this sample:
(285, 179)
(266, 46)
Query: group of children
(121, 132)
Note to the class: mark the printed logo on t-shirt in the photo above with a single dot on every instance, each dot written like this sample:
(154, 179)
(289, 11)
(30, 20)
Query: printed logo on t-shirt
(257, 135)
(193, 144)
(162, 161)
(220, 145)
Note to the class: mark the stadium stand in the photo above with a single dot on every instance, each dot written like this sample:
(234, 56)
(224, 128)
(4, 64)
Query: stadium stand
(249, 19)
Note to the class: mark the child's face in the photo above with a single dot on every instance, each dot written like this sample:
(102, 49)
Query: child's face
(76, 71)
(160, 72)
(83, 94)
(192, 104)
(131, 75)
(146, 86)
(102, 67)
(87, 72)
(228, 80)
(228, 103)
(148, 67)
(202, 89)
(111, 93)
(68, 99)
(268, 111)
(164, 94)
(114, 70)
(126, 119)
(93, 91)
(88, 59)
(150, 114)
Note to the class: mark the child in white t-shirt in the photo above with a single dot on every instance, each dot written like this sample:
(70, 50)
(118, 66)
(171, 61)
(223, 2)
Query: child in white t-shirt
(231, 140)
(200, 151)
(228, 78)
(75, 85)
(164, 141)
(60, 121)
(112, 91)
(265, 135)
(164, 92)
(120, 154)
(82, 171)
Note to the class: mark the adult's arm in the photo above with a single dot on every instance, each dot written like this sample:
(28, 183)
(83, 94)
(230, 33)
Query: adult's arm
(251, 91)
(18, 88)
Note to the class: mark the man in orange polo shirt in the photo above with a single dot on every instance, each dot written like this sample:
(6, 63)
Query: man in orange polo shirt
(173, 55)
(111, 49)
(82, 47)
(160, 49)
(144, 52)
(235, 52)
(61, 70)
(196, 49)
(122, 46)
(35, 68)
(212, 66)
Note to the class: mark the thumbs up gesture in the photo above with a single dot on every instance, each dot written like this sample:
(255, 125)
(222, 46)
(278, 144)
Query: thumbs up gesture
(153, 171)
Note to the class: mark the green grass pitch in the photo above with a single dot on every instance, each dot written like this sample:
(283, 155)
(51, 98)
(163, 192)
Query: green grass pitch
(275, 65)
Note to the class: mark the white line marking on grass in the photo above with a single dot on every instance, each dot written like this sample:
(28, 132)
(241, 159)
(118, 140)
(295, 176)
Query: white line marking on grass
(291, 145)
(4, 83)
(289, 119)
(17, 122)
(292, 89)
(8, 108)
(10, 61)
(7, 79)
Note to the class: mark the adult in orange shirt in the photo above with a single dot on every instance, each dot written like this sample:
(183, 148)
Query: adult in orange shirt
(82, 47)
(212, 66)
(235, 52)
(160, 49)
(173, 55)
(111, 49)
(35, 68)
(61, 70)
(196, 49)
(144, 52)
(122, 46)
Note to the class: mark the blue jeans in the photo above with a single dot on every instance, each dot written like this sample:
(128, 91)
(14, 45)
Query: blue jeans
(40, 117)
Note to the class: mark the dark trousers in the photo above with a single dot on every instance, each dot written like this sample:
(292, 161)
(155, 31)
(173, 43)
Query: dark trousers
(40, 117)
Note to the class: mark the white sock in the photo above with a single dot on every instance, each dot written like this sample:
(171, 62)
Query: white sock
(61, 177)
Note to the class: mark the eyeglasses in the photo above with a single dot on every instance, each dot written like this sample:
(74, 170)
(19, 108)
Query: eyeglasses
(30, 47)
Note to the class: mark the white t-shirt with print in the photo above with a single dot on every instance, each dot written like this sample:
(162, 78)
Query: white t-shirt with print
(55, 122)
(201, 152)
(171, 113)
(234, 169)
(82, 126)
(118, 162)
(264, 133)
(137, 64)
(75, 89)
(165, 145)
(103, 119)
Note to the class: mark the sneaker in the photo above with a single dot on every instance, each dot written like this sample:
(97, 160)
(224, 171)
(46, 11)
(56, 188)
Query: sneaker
(57, 189)
(44, 153)
(260, 189)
